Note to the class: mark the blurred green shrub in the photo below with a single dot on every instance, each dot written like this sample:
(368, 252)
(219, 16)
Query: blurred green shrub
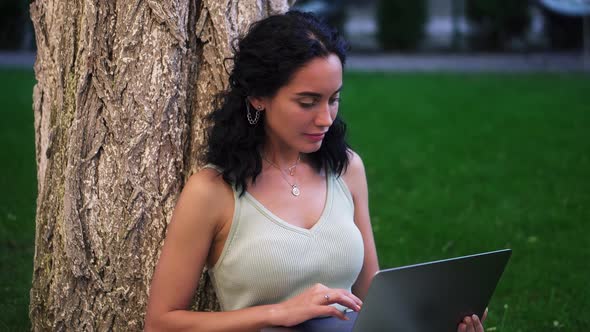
(563, 32)
(496, 23)
(334, 12)
(13, 23)
(400, 24)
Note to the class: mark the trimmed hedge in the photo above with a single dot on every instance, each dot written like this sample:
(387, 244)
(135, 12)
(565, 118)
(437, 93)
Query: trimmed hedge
(497, 22)
(563, 32)
(400, 24)
(13, 16)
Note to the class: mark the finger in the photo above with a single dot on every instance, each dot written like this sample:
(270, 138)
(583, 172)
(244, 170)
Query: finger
(346, 294)
(477, 324)
(469, 322)
(343, 299)
(352, 296)
(462, 327)
(485, 315)
(331, 311)
(351, 302)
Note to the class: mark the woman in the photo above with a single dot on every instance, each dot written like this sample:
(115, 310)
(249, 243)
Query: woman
(280, 214)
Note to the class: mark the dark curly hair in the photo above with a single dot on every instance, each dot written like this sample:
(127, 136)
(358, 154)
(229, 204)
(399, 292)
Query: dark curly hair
(265, 60)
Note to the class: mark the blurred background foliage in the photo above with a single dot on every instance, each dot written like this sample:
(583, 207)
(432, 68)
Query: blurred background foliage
(16, 28)
(563, 32)
(497, 22)
(399, 25)
(333, 11)
(483, 25)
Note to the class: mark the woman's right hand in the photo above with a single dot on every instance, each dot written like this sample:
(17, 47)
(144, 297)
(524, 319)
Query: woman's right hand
(314, 302)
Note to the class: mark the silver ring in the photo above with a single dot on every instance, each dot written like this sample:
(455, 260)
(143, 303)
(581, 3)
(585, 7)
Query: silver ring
(327, 297)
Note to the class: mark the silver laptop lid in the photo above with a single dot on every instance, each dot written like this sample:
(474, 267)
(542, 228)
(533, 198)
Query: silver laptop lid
(433, 296)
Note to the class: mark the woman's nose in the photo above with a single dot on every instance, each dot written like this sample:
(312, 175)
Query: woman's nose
(324, 117)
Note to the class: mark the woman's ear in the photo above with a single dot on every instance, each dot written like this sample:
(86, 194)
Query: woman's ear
(257, 103)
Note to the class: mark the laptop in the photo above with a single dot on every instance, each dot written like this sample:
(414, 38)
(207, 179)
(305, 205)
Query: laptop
(427, 297)
(433, 296)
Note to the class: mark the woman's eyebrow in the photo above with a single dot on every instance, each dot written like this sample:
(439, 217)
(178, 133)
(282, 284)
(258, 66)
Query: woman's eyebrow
(308, 94)
(314, 94)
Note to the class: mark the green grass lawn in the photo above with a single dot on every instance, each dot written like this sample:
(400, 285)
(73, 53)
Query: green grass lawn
(457, 164)
(17, 197)
(462, 164)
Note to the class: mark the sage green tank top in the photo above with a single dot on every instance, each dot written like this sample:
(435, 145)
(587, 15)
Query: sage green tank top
(266, 260)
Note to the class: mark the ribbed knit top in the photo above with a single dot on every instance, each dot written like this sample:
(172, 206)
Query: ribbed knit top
(266, 260)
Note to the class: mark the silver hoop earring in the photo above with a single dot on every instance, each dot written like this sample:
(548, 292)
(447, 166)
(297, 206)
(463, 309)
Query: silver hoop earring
(252, 119)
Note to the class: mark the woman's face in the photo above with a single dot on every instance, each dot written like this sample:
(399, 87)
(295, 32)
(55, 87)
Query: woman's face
(302, 111)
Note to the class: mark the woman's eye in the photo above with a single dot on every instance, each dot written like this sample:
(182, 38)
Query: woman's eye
(308, 104)
(334, 100)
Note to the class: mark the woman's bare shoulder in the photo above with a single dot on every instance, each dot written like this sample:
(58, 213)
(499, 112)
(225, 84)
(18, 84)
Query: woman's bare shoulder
(208, 195)
(208, 181)
(354, 175)
(355, 166)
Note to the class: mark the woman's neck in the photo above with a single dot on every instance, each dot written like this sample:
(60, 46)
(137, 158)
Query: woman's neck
(284, 158)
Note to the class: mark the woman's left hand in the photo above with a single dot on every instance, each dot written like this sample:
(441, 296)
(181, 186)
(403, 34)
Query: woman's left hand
(472, 323)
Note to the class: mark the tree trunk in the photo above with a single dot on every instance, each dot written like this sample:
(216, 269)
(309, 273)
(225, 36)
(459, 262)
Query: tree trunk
(122, 90)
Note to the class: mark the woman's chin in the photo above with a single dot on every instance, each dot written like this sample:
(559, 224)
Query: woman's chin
(311, 148)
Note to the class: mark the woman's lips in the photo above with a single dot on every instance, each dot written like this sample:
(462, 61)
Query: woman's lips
(315, 137)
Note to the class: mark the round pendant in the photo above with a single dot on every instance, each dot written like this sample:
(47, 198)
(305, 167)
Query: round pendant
(295, 191)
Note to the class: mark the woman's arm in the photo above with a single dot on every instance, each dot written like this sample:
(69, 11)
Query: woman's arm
(356, 181)
(203, 207)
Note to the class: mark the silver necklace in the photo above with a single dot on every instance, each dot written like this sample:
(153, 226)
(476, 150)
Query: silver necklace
(294, 188)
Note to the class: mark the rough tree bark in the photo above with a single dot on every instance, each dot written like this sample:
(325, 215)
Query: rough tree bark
(122, 89)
